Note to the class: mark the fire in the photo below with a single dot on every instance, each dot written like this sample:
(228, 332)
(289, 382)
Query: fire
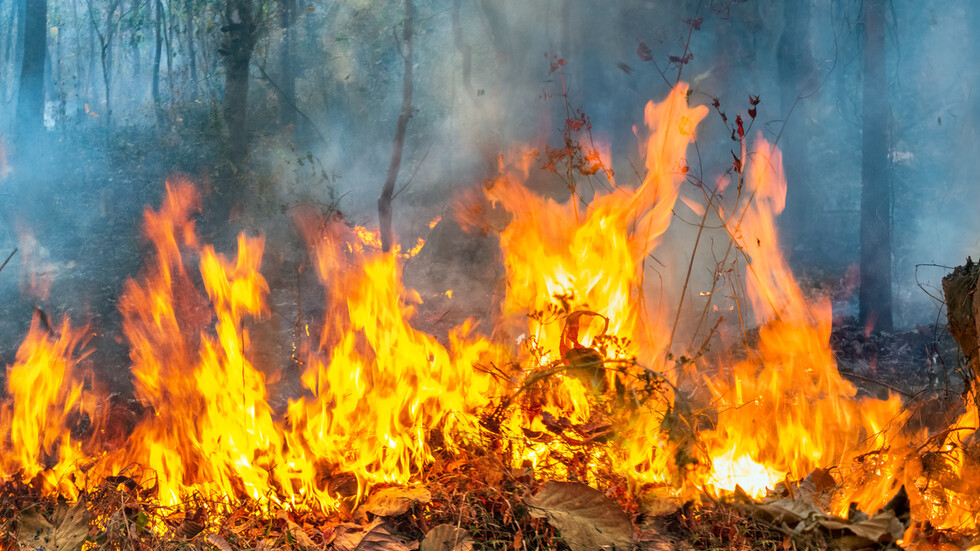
(786, 410)
(39, 442)
(576, 381)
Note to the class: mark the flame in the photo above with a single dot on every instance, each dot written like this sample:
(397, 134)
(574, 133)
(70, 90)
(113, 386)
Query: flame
(40, 443)
(587, 389)
(786, 410)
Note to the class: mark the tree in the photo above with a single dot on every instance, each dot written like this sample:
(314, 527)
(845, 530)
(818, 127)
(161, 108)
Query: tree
(157, 54)
(287, 82)
(241, 33)
(795, 65)
(875, 294)
(388, 191)
(106, 37)
(30, 94)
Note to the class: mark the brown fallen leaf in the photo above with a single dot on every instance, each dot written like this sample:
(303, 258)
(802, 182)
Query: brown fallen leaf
(66, 531)
(859, 532)
(219, 542)
(384, 538)
(446, 537)
(347, 536)
(585, 517)
(393, 501)
(297, 533)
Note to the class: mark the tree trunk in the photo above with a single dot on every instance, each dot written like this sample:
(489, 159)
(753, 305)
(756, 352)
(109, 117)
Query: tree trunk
(157, 53)
(8, 47)
(168, 37)
(30, 94)
(239, 41)
(77, 87)
(875, 295)
(287, 80)
(962, 311)
(105, 49)
(19, 9)
(191, 55)
(795, 64)
(388, 191)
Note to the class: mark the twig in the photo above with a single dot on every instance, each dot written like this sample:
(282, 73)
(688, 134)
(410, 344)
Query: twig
(886, 385)
(2, 266)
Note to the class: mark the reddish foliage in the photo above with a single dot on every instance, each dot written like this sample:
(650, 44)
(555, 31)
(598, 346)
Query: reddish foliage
(682, 60)
(644, 52)
(557, 64)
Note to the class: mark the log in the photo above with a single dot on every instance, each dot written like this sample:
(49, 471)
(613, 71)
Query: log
(963, 312)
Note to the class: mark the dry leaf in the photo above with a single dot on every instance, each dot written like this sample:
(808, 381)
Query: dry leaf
(883, 528)
(66, 531)
(789, 512)
(348, 536)
(393, 501)
(219, 542)
(587, 519)
(383, 538)
(297, 533)
(447, 537)
(859, 532)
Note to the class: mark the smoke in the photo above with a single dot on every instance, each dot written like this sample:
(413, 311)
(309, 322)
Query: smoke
(492, 77)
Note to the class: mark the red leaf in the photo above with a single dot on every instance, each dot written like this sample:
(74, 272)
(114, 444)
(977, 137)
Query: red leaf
(752, 112)
(557, 64)
(575, 124)
(741, 129)
(694, 22)
(737, 164)
(682, 60)
(644, 52)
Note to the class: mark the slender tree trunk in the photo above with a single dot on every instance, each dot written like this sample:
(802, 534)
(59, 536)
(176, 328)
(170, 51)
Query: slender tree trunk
(106, 49)
(168, 42)
(30, 94)
(239, 41)
(191, 55)
(465, 52)
(78, 65)
(795, 64)
(8, 45)
(58, 79)
(19, 9)
(287, 84)
(388, 191)
(157, 53)
(875, 295)
(89, 82)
